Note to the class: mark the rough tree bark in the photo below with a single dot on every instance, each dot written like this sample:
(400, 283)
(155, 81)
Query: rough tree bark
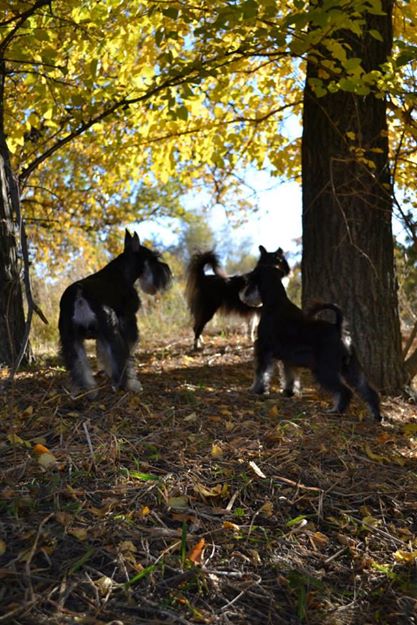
(12, 319)
(347, 211)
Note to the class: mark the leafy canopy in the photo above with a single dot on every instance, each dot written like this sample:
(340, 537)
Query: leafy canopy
(105, 103)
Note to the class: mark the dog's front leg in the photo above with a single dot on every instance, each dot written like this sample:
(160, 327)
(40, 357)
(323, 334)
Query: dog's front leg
(264, 364)
(132, 383)
(130, 333)
(252, 325)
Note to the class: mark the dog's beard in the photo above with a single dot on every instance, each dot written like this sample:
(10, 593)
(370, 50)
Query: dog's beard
(250, 296)
(155, 277)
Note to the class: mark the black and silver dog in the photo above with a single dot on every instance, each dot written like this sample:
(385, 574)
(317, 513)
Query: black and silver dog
(287, 334)
(206, 294)
(103, 307)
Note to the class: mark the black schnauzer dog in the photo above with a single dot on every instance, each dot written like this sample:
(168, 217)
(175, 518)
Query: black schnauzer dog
(287, 334)
(207, 294)
(103, 307)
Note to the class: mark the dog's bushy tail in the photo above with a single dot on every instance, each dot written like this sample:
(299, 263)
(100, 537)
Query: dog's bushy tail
(195, 272)
(317, 307)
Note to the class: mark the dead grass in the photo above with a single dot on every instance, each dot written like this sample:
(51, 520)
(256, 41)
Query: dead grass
(196, 502)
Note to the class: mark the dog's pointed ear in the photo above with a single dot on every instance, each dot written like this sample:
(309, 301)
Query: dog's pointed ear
(262, 250)
(280, 251)
(135, 243)
(128, 240)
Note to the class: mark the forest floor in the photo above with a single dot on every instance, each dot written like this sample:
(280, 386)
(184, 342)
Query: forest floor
(197, 502)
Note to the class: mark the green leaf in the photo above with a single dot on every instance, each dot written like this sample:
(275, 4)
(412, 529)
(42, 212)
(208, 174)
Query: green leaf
(183, 542)
(145, 477)
(249, 9)
(146, 571)
(171, 12)
(296, 520)
(376, 34)
(181, 113)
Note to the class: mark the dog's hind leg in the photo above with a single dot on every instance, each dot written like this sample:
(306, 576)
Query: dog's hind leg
(112, 347)
(329, 379)
(76, 362)
(201, 318)
(103, 354)
(117, 338)
(74, 356)
(290, 380)
(354, 375)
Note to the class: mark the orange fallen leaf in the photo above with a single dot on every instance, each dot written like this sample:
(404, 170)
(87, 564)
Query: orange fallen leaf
(385, 437)
(44, 457)
(228, 525)
(196, 552)
(39, 449)
(144, 511)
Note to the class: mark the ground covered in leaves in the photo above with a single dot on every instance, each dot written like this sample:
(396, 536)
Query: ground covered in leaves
(196, 502)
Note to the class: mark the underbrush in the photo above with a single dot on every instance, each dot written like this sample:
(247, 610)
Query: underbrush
(162, 318)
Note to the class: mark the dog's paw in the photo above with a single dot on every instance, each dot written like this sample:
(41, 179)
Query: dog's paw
(258, 390)
(134, 385)
(335, 410)
(286, 392)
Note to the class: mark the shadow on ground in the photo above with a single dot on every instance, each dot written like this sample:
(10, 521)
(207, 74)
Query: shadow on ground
(196, 502)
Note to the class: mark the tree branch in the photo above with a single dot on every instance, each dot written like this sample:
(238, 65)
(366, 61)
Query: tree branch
(21, 20)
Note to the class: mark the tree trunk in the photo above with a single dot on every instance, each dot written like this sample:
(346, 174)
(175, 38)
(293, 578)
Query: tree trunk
(347, 211)
(12, 318)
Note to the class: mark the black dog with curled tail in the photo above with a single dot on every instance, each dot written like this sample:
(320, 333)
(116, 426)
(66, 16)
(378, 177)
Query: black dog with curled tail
(207, 294)
(103, 307)
(287, 334)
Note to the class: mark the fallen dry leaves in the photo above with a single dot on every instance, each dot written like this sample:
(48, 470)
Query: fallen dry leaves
(196, 502)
